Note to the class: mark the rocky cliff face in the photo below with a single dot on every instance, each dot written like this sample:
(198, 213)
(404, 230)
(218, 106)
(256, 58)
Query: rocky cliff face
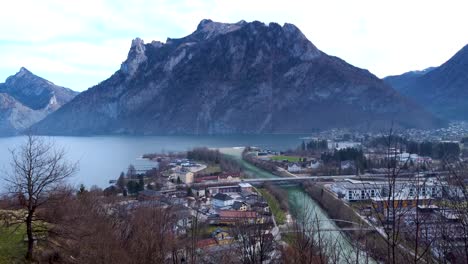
(26, 99)
(234, 78)
(442, 90)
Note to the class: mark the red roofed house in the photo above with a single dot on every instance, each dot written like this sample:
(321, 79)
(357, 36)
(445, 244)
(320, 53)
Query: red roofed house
(231, 217)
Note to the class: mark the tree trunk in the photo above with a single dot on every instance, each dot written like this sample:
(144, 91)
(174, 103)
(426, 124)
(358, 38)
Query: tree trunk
(29, 232)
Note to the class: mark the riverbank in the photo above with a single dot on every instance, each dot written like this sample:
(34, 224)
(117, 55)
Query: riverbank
(301, 204)
(278, 213)
(354, 226)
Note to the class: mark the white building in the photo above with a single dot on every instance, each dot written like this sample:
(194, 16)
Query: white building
(343, 145)
(294, 168)
(222, 200)
(187, 178)
(357, 190)
(352, 190)
(315, 164)
(199, 192)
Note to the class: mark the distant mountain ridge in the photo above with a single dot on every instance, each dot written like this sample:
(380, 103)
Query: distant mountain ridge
(442, 90)
(234, 78)
(400, 81)
(26, 99)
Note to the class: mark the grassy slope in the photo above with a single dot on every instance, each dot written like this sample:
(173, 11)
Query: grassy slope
(210, 169)
(288, 158)
(12, 246)
(279, 214)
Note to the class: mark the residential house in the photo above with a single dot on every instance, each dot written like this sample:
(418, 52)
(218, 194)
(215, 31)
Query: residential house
(222, 200)
(224, 189)
(315, 164)
(222, 237)
(198, 192)
(246, 187)
(227, 177)
(294, 168)
(239, 206)
(229, 217)
(187, 177)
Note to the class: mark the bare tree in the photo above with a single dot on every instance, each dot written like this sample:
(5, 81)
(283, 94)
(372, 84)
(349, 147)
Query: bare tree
(454, 234)
(38, 169)
(306, 244)
(396, 207)
(149, 235)
(255, 242)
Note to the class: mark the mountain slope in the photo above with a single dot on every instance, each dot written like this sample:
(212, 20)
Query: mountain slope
(400, 82)
(443, 90)
(26, 99)
(234, 78)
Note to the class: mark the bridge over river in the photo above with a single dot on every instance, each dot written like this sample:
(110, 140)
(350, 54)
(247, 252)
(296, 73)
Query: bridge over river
(300, 179)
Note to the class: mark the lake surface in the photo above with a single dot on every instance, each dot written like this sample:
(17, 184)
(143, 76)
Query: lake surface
(102, 158)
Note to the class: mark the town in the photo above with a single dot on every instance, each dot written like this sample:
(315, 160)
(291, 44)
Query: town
(363, 176)
(383, 194)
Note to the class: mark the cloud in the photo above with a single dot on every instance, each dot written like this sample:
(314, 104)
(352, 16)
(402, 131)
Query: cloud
(80, 43)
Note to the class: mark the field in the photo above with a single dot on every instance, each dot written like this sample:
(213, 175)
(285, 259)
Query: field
(280, 215)
(210, 169)
(12, 246)
(288, 158)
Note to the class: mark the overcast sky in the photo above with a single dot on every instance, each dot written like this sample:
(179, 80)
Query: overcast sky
(77, 44)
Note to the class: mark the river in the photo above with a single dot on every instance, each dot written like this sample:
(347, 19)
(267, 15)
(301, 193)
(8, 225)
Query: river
(102, 158)
(304, 207)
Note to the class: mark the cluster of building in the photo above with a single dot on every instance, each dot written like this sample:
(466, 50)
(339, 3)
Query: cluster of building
(227, 205)
(454, 131)
(223, 177)
(220, 206)
(356, 190)
(184, 170)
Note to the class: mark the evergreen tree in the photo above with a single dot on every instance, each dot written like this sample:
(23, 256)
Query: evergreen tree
(121, 181)
(141, 183)
(133, 187)
(131, 172)
(82, 189)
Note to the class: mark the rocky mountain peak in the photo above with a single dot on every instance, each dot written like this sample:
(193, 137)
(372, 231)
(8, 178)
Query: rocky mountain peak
(294, 39)
(203, 22)
(292, 29)
(208, 28)
(34, 91)
(23, 71)
(138, 44)
(21, 75)
(302, 47)
(235, 78)
(26, 99)
(136, 56)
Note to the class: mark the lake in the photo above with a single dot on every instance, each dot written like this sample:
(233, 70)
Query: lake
(102, 158)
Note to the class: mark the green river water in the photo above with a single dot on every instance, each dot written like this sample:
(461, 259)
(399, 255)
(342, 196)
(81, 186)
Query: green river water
(301, 205)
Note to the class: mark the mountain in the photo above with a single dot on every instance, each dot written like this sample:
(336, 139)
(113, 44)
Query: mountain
(442, 90)
(234, 78)
(399, 81)
(26, 99)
